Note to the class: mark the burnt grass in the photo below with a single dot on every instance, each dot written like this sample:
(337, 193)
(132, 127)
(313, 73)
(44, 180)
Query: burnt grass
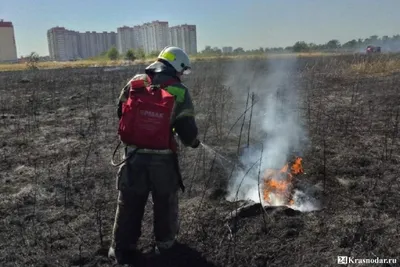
(58, 196)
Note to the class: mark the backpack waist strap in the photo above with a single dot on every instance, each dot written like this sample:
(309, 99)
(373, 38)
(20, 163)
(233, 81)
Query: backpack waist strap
(131, 148)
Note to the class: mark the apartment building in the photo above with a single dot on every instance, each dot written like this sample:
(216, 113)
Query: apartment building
(129, 38)
(227, 49)
(63, 44)
(150, 37)
(191, 42)
(124, 39)
(185, 37)
(159, 36)
(8, 50)
(175, 36)
(69, 45)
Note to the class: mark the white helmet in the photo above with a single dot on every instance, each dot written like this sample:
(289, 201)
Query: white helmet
(177, 58)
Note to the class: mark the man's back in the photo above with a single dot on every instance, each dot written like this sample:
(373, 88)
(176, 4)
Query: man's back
(183, 120)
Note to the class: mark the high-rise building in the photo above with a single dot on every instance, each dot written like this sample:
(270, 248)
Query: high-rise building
(159, 32)
(227, 49)
(8, 50)
(185, 37)
(84, 45)
(191, 45)
(149, 37)
(63, 44)
(175, 36)
(68, 45)
(138, 37)
(131, 38)
(124, 39)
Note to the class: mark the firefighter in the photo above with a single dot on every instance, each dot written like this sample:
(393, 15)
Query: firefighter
(152, 170)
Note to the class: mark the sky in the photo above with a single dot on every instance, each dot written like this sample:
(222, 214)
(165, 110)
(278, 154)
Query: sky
(238, 23)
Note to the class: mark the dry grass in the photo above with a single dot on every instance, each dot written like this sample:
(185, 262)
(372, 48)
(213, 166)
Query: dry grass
(69, 64)
(109, 63)
(379, 67)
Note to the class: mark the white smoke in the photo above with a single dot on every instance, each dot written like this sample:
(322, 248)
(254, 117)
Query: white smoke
(277, 116)
(303, 202)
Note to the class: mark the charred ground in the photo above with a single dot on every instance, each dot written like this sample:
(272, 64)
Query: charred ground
(58, 193)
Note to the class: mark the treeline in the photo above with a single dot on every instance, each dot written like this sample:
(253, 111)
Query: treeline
(389, 43)
(131, 54)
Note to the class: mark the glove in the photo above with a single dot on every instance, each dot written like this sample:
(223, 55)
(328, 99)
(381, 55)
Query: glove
(196, 143)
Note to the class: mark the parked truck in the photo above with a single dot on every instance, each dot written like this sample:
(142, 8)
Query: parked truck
(373, 49)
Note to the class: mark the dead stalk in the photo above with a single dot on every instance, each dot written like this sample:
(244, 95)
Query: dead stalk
(243, 122)
(251, 116)
(260, 183)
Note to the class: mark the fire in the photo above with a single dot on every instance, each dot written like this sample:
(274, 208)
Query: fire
(278, 184)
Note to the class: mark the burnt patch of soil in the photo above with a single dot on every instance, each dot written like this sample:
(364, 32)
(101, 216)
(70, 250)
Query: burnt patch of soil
(58, 195)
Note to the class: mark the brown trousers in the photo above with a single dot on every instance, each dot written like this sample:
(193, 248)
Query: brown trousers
(136, 178)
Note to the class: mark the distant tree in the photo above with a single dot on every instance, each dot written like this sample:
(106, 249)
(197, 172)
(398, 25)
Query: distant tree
(32, 61)
(274, 49)
(333, 44)
(130, 55)
(396, 37)
(300, 47)
(238, 50)
(385, 38)
(140, 53)
(313, 47)
(207, 50)
(216, 51)
(113, 53)
(153, 54)
(350, 44)
(374, 38)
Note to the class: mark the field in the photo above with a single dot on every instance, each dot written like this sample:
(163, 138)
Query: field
(104, 62)
(58, 131)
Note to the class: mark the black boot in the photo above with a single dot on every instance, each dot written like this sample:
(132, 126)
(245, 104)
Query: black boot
(129, 257)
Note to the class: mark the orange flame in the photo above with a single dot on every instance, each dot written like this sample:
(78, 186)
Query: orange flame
(297, 167)
(279, 182)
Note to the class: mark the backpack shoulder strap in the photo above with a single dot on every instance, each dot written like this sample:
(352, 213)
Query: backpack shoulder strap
(164, 85)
